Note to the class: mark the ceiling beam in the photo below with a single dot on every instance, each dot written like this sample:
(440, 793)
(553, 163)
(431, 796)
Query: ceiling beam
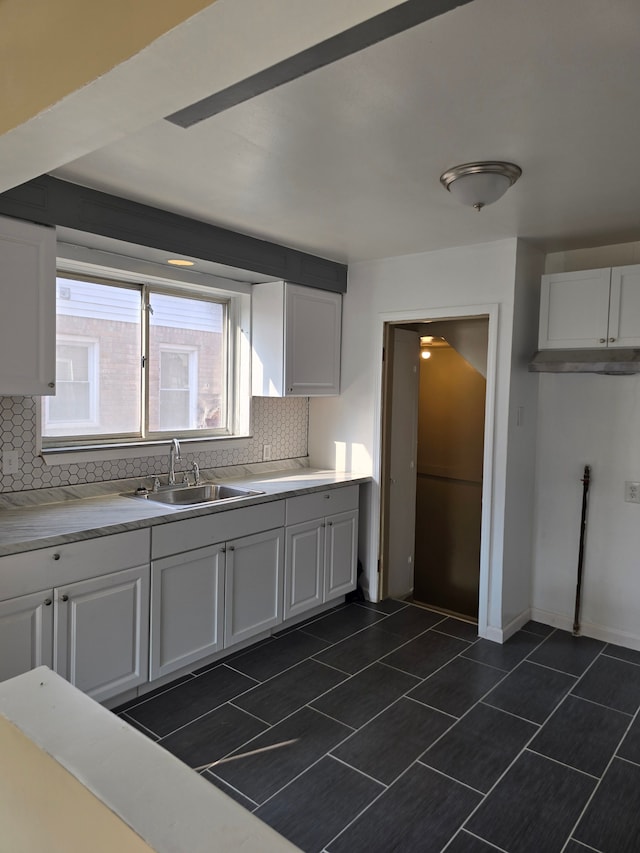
(50, 201)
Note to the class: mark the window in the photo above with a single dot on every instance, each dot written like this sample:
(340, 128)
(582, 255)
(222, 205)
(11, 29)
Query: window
(141, 362)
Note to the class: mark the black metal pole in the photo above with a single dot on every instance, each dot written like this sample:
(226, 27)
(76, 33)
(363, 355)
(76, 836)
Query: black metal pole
(583, 527)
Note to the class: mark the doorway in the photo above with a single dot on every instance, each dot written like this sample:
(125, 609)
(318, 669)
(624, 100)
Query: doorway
(433, 427)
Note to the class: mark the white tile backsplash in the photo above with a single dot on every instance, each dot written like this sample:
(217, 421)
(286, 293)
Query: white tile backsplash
(282, 423)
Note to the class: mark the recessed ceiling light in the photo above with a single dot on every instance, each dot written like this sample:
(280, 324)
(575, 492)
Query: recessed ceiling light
(180, 262)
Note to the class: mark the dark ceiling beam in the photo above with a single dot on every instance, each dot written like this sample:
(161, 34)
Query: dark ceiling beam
(393, 21)
(50, 201)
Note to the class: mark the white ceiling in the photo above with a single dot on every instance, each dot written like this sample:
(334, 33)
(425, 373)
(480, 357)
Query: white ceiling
(345, 162)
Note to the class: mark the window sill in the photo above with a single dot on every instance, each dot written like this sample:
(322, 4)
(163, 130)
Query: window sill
(99, 453)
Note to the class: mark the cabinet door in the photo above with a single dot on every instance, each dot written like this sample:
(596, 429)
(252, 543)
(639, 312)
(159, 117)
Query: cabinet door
(26, 633)
(187, 609)
(253, 585)
(28, 329)
(304, 567)
(624, 307)
(102, 632)
(574, 310)
(341, 538)
(312, 341)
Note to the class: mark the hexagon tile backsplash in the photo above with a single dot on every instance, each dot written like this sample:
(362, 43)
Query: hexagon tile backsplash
(282, 423)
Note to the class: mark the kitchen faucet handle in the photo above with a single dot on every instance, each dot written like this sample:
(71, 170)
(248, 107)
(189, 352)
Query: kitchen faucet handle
(196, 473)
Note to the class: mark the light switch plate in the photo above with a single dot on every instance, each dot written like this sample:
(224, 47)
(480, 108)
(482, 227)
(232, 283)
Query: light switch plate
(10, 462)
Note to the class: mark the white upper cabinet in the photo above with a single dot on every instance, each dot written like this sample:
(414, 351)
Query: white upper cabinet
(593, 308)
(28, 321)
(296, 341)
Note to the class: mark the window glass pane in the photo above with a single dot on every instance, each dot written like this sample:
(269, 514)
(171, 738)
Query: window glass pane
(187, 364)
(98, 361)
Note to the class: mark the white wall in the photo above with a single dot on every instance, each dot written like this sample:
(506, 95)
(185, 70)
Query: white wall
(344, 430)
(595, 420)
(523, 402)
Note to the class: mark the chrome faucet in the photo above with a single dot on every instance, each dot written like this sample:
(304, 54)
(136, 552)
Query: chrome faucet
(196, 473)
(174, 453)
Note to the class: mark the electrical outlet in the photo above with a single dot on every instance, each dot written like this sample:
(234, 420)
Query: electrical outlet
(266, 452)
(10, 461)
(632, 492)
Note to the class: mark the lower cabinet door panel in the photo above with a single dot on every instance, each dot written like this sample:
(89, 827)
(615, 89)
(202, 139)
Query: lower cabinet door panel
(26, 633)
(102, 632)
(253, 585)
(304, 567)
(187, 608)
(341, 534)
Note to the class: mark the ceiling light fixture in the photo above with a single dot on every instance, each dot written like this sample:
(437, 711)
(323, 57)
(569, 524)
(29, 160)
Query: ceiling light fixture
(480, 184)
(181, 262)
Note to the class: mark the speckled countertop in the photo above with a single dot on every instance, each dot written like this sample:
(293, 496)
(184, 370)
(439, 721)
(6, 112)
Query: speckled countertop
(86, 512)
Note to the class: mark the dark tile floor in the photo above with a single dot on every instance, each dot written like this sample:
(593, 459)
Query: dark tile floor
(392, 728)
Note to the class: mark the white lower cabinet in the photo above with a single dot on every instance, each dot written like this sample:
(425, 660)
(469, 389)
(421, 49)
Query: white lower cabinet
(253, 585)
(102, 632)
(321, 552)
(26, 633)
(187, 608)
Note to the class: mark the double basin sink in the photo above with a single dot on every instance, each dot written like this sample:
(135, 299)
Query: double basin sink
(182, 495)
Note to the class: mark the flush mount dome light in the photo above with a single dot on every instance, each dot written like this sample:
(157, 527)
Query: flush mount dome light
(479, 184)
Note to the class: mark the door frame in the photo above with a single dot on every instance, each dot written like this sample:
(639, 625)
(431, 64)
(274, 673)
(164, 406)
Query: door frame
(487, 586)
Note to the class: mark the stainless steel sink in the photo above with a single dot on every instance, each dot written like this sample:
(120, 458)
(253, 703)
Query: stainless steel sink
(189, 495)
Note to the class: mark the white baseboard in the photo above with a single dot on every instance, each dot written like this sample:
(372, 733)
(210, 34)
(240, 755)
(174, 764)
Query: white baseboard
(588, 629)
(501, 635)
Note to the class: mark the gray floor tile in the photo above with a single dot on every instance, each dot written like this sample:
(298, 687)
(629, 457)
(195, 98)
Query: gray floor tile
(213, 736)
(425, 808)
(179, 706)
(531, 691)
(464, 842)
(343, 623)
(480, 747)
(534, 806)
(379, 751)
(228, 659)
(411, 621)
(261, 775)
(317, 805)
(388, 605)
(458, 628)
(505, 656)
(275, 699)
(364, 695)
(613, 683)
(151, 694)
(582, 735)
(245, 802)
(630, 655)
(611, 822)
(426, 653)
(457, 686)
(361, 650)
(574, 847)
(537, 628)
(268, 660)
(561, 650)
(630, 747)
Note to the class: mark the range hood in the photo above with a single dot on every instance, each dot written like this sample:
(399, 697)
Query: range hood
(611, 361)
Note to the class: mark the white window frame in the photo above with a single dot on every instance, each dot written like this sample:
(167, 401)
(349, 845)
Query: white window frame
(116, 269)
(192, 354)
(93, 369)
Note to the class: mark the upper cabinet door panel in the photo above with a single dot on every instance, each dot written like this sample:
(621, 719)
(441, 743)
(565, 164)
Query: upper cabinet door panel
(574, 310)
(312, 341)
(624, 307)
(27, 324)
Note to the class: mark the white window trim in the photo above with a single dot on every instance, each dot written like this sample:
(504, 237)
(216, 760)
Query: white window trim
(93, 347)
(76, 260)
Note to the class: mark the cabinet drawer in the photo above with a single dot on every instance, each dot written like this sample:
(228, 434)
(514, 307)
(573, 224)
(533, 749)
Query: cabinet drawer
(32, 571)
(319, 504)
(178, 536)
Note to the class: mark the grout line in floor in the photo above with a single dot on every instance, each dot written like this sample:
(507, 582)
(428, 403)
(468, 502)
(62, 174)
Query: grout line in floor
(598, 704)
(474, 835)
(211, 772)
(328, 716)
(555, 669)
(615, 657)
(562, 763)
(446, 775)
(357, 769)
